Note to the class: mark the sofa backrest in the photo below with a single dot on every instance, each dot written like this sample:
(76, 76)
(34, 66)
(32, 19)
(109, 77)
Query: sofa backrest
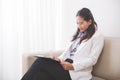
(108, 65)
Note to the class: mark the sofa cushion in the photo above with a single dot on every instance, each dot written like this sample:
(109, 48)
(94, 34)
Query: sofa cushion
(108, 65)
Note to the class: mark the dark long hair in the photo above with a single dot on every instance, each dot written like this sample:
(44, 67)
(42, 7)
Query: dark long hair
(86, 14)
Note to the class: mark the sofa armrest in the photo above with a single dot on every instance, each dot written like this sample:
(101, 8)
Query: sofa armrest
(29, 58)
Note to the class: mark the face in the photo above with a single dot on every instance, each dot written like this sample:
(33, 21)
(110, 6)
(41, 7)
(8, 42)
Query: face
(82, 24)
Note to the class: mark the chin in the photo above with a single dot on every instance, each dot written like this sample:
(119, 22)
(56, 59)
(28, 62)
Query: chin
(81, 30)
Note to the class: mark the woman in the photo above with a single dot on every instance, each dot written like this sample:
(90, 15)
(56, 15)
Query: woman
(76, 62)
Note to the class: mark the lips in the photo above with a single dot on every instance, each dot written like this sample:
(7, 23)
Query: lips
(81, 30)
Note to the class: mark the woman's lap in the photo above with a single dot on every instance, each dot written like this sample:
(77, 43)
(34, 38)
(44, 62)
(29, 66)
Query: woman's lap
(44, 68)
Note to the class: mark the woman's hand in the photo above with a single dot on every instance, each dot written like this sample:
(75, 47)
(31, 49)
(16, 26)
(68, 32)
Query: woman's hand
(67, 65)
(55, 58)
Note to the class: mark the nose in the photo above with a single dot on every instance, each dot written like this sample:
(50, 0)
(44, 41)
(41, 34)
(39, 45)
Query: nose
(80, 26)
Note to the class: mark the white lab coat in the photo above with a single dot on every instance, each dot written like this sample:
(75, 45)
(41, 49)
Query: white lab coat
(85, 57)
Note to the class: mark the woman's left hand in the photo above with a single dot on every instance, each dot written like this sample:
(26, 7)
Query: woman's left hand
(67, 65)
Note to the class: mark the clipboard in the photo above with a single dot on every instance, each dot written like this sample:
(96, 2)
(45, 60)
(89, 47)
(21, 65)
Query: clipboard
(46, 58)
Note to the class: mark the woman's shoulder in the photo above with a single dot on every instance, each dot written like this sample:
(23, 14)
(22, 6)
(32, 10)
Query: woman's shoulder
(98, 34)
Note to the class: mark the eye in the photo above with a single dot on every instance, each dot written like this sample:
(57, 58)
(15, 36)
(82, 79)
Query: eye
(81, 23)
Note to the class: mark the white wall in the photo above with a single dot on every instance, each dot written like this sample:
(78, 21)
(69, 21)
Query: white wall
(105, 12)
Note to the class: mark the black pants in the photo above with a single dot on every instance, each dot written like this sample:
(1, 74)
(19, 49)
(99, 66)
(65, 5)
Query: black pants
(46, 69)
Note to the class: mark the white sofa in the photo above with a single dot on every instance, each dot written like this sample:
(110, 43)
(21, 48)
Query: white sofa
(107, 67)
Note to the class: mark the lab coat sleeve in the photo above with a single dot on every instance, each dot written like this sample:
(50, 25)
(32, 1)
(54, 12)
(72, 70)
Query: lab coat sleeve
(65, 54)
(62, 56)
(97, 46)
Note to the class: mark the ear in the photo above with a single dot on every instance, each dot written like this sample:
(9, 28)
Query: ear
(90, 22)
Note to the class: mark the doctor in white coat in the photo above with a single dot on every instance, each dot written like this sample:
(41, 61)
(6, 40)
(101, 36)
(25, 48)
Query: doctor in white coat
(76, 62)
(85, 47)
